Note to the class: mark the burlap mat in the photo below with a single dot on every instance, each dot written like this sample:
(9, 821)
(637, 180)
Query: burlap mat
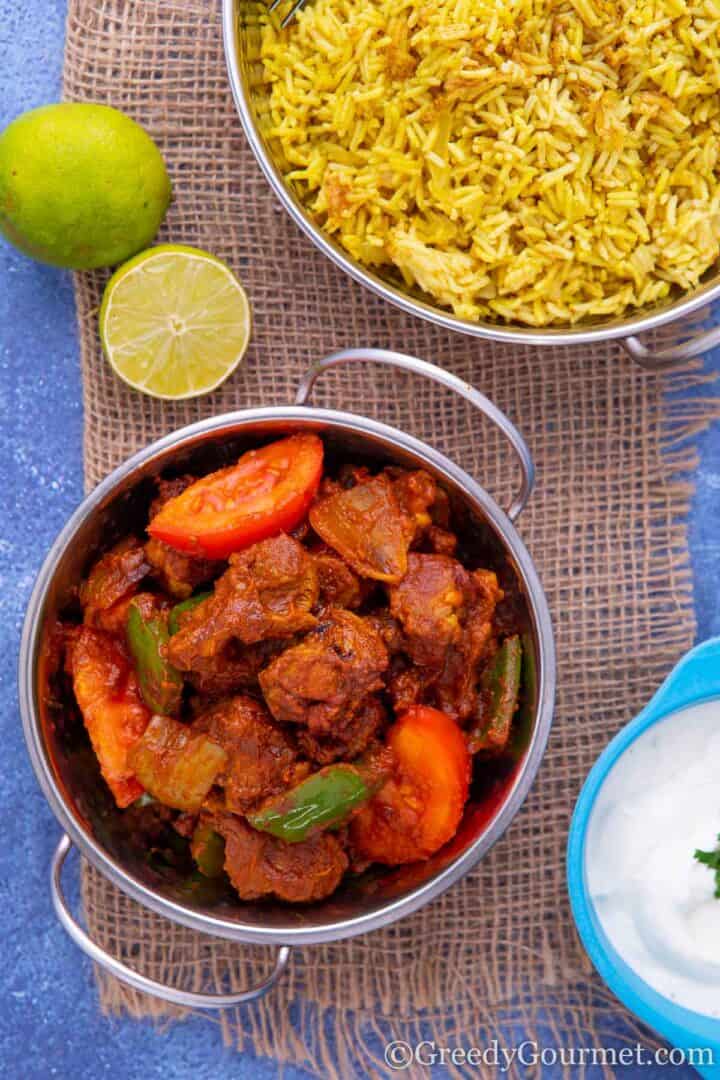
(497, 955)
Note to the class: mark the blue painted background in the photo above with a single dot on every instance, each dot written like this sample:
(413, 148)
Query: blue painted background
(49, 1020)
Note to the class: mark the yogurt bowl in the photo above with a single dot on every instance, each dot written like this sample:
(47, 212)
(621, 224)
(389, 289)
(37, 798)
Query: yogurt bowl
(651, 785)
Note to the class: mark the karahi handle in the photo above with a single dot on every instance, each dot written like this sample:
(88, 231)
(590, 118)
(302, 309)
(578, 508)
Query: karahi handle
(447, 379)
(133, 978)
(674, 355)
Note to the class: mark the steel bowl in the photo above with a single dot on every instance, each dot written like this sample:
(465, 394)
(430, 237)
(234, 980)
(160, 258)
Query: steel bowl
(241, 34)
(66, 767)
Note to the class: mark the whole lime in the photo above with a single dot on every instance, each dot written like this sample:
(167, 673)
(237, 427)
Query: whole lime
(81, 185)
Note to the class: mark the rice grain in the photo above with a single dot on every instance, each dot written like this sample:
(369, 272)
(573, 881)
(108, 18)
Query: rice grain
(530, 161)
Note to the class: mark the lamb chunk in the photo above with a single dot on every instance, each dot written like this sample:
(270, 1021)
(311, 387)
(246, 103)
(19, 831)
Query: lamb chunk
(407, 686)
(111, 584)
(350, 736)
(446, 614)
(235, 668)
(388, 628)
(261, 760)
(416, 492)
(169, 489)
(487, 594)
(367, 526)
(441, 541)
(339, 585)
(176, 573)
(431, 603)
(456, 689)
(322, 680)
(427, 505)
(260, 865)
(268, 591)
(441, 511)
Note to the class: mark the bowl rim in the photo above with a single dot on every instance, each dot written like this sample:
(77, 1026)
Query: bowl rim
(233, 422)
(693, 681)
(518, 334)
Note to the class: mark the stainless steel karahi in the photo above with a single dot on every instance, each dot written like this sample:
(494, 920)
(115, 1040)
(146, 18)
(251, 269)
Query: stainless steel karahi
(65, 765)
(241, 32)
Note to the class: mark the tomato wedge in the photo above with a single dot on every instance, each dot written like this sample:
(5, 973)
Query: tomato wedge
(108, 694)
(420, 806)
(267, 492)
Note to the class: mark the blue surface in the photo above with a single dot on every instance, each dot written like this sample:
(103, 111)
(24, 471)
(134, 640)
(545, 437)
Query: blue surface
(49, 1022)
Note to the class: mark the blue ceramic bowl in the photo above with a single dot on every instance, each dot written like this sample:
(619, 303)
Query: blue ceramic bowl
(695, 679)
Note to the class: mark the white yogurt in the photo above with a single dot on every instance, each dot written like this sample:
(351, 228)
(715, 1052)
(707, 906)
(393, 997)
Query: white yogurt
(656, 903)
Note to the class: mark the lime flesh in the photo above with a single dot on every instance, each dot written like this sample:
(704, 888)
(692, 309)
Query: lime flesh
(175, 322)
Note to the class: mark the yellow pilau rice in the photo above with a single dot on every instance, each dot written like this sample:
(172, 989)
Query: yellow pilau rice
(535, 161)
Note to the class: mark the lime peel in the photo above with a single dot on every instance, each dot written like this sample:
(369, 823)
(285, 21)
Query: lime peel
(82, 185)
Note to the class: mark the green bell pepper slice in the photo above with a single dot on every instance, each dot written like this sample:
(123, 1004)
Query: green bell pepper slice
(325, 800)
(208, 850)
(161, 684)
(500, 692)
(180, 609)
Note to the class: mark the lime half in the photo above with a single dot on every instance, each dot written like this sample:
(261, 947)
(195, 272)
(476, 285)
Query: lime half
(174, 322)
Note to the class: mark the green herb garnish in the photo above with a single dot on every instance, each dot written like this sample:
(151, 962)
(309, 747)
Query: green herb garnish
(711, 859)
